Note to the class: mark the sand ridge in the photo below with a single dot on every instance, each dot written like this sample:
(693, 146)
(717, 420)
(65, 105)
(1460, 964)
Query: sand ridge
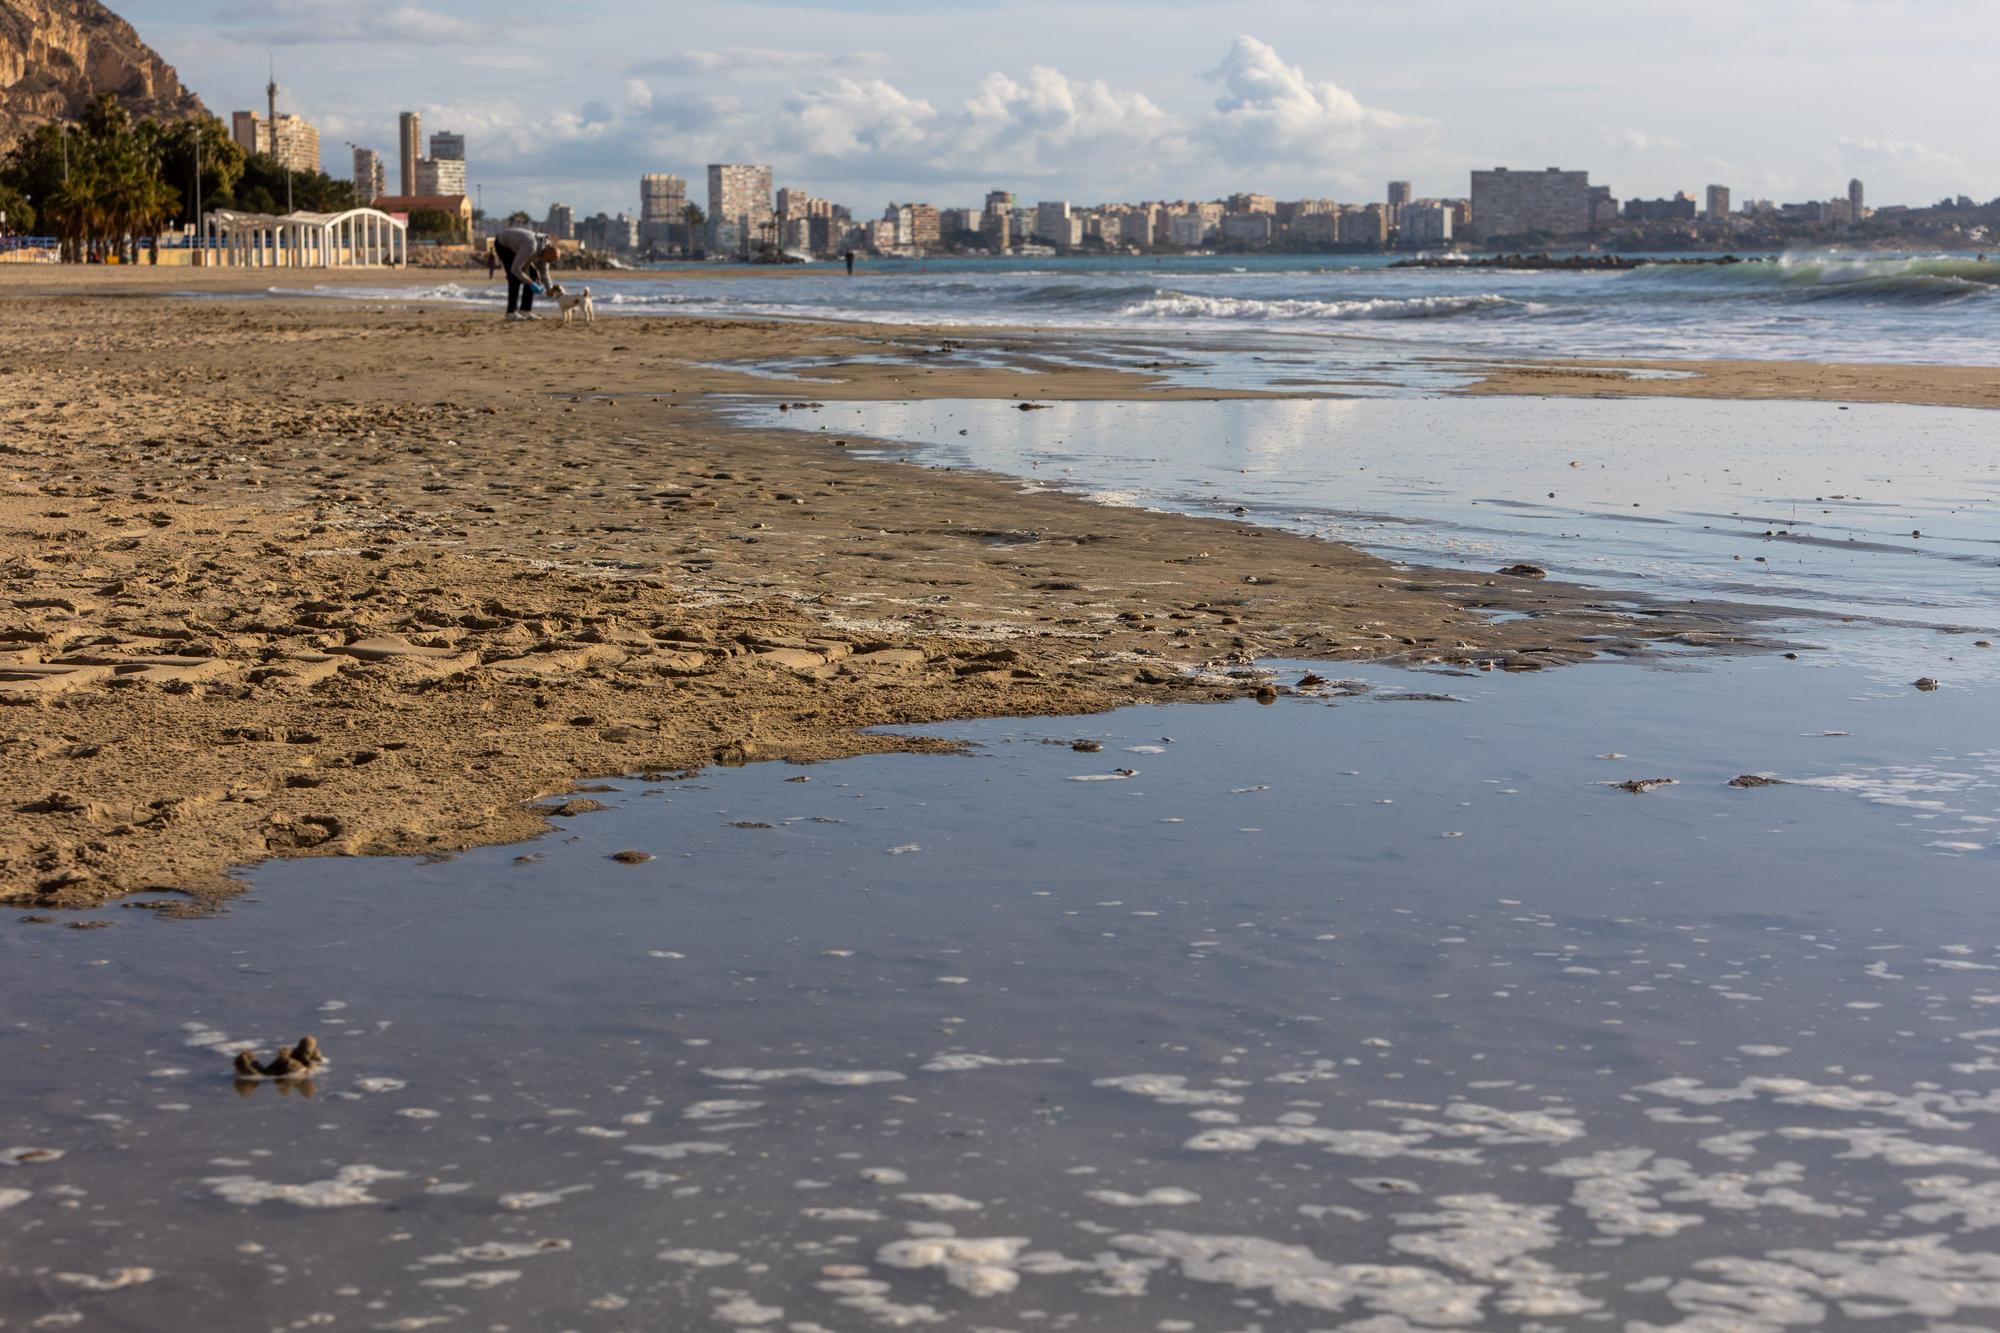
(308, 578)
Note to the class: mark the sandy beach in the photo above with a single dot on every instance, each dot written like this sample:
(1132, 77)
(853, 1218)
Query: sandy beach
(302, 577)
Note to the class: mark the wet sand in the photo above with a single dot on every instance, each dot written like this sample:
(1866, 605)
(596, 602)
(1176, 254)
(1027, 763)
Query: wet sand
(302, 577)
(1811, 381)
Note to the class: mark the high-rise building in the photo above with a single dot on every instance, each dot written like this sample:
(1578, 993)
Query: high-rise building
(1367, 225)
(662, 197)
(1426, 223)
(440, 177)
(370, 183)
(409, 143)
(295, 143)
(1188, 229)
(1856, 201)
(1399, 194)
(561, 224)
(1513, 203)
(1253, 203)
(447, 147)
(925, 228)
(1052, 222)
(739, 206)
(996, 224)
(1716, 207)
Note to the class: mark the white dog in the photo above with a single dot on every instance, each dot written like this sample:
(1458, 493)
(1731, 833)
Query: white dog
(573, 303)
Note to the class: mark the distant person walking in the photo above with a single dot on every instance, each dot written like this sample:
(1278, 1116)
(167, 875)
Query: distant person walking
(848, 255)
(492, 263)
(526, 255)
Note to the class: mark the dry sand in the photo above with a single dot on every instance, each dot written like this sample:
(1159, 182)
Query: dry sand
(292, 578)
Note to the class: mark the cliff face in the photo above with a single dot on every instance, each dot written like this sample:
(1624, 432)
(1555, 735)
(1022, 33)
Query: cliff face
(56, 55)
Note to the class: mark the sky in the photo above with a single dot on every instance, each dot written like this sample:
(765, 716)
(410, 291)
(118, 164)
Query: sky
(871, 101)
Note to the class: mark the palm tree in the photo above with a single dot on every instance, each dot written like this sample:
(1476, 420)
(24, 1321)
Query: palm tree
(691, 220)
(75, 209)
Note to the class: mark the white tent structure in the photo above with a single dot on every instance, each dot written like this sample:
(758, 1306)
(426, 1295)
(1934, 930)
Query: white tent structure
(358, 238)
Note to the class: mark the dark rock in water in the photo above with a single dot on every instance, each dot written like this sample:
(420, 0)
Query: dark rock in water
(1085, 747)
(1031, 407)
(1309, 680)
(1755, 780)
(1267, 694)
(1982, 643)
(297, 1062)
(631, 856)
(1525, 571)
(1637, 785)
(1927, 683)
(737, 752)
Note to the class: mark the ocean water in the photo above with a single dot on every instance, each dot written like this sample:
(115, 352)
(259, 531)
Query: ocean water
(1808, 305)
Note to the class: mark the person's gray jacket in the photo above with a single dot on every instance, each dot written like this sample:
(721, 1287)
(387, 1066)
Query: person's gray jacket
(526, 243)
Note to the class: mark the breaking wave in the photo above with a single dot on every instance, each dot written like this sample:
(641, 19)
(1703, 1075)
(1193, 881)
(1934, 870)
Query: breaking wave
(1182, 305)
(1832, 276)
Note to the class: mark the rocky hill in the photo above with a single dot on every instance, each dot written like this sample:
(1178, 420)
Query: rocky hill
(56, 55)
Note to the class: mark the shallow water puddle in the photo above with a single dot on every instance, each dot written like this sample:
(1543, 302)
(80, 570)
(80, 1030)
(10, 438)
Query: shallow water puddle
(1877, 511)
(1328, 1014)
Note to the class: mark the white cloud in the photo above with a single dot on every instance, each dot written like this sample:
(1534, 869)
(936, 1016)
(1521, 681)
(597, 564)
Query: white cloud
(1272, 112)
(1048, 121)
(758, 62)
(856, 117)
(304, 22)
(1638, 141)
(1864, 150)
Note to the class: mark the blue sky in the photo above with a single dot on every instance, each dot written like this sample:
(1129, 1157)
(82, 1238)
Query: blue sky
(1095, 100)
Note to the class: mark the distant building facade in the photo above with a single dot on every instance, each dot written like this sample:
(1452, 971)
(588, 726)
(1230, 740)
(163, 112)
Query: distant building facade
(1717, 203)
(293, 142)
(1399, 194)
(561, 223)
(448, 147)
(663, 197)
(1426, 223)
(739, 206)
(1857, 201)
(440, 175)
(1680, 208)
(409, 146)
(996, 224)
(370, 180)
(1052, 222)
(456, 207)
(1513, 203)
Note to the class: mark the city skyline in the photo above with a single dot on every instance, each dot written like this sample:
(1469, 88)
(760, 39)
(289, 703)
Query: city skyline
(1309, 107)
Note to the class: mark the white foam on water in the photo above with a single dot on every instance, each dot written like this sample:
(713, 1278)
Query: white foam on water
(839, 1078)
(347, 1188)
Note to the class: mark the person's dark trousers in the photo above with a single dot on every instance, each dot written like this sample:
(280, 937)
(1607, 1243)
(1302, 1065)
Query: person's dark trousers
(520, 296)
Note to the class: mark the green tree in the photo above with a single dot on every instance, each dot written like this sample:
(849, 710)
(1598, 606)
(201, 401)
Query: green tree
(204, 139)
(434, 224)
(267, 179)
(691, 220)
(17, 212)
(518, 218)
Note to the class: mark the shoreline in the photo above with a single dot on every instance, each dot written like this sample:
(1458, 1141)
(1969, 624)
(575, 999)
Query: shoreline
(316, 578)
(1919, 384)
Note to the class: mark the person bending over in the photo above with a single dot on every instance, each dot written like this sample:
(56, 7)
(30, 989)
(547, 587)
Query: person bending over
(526, 255)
